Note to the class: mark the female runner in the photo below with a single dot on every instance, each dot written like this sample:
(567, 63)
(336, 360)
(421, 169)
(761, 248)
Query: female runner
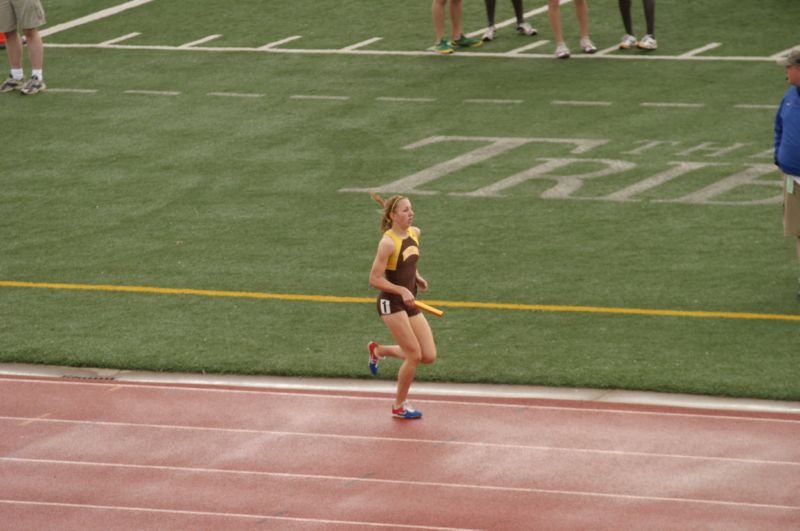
(394, 273)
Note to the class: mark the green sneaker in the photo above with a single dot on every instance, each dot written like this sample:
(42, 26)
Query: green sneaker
(443, 46)
(467, 42)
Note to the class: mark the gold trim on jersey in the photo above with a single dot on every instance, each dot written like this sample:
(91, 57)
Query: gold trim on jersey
(391, 264)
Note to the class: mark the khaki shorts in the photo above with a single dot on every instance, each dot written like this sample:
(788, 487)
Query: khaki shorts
(25, 14)
(791, 209)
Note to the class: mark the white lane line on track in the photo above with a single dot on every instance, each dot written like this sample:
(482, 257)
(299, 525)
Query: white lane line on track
(405, 440)
(28, 421)
(494, 488)
(93, 17)
(203, 388)
(226, 515)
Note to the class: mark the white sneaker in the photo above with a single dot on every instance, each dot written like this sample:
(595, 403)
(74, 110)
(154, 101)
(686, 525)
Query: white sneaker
(562, 52)
(587, 46)
(489, 34)
(628, 41)
(648, 42)
(526, 29)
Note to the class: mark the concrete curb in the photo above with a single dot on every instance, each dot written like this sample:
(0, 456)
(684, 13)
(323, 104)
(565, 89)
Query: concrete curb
(419, 388)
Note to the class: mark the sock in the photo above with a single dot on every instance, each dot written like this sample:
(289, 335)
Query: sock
(518, 11)
(17, 73)
(650, 16)
(490, 5)
(625, 11)
(37, 74)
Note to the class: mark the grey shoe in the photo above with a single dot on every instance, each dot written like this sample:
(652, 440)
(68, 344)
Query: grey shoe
(587, 46)
(523, 28)
(33, 86)
(11, 84)
(648, 42)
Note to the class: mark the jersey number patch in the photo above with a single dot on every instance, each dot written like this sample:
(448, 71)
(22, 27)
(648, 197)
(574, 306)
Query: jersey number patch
(386, 308)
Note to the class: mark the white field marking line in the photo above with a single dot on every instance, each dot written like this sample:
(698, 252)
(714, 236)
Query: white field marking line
(410, 100)
(374, 439)
(527, 47)
(677, 105)
(361, 44)
(608, 50)
(272, 45)
(404, 53)
(698, 51)
(312, 97)
(154, 92)
(120, 39)
(76, 91)
(510, 21)
(93, 17)
(493, 102)
(781, 55)
(236, 94)
(586, 103)
(495, 488)
(226, 515)
(199, 41)
(756, 106)
(205, 389)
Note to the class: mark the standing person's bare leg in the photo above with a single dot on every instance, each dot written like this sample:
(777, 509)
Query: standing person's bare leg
(455, 17)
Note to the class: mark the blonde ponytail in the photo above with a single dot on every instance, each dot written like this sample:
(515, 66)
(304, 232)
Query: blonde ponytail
(387, 207)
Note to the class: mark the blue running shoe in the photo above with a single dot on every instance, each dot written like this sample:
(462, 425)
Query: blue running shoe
(373, 358)
(405, 411)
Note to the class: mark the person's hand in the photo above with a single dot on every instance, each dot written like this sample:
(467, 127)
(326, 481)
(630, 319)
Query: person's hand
(408, 298)
(422, 283)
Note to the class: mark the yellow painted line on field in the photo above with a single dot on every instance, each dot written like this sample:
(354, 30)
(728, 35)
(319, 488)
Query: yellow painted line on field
(363, 300)
(624, 311)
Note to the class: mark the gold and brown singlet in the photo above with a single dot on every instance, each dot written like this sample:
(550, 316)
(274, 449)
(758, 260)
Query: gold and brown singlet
(401, 269)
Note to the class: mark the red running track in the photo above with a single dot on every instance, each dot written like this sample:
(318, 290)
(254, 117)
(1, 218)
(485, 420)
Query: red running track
(88, 455)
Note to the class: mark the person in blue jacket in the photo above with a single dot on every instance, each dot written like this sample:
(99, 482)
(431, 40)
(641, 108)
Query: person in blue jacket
(787, 147)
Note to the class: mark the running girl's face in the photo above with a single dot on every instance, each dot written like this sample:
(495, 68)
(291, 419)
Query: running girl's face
(402, 215)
